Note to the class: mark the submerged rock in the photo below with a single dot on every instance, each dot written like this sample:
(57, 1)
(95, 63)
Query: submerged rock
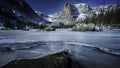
(58, 60)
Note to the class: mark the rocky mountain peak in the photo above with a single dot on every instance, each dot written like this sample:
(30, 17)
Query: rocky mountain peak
(105, 8)
(69, 12)
(67, 4)
(79, 12)
(83, 7)
(68, 8)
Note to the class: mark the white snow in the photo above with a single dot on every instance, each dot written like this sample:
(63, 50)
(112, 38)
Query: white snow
(83, 9)
(82, 16)
(80, 4)
(14, 11)
(49, 19)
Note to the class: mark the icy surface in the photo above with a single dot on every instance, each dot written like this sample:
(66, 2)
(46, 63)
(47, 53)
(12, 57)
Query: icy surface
(92, 49)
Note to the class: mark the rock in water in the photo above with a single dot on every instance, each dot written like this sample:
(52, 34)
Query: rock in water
(58, 60)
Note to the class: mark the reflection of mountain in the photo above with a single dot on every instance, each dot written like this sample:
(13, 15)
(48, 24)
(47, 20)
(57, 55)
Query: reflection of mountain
(79, 12)
(14, 10)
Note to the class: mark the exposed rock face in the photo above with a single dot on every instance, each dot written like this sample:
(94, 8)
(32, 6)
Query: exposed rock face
(78, 12)
(58, 60)
(68, 15)
(70, 12)
(84, 27)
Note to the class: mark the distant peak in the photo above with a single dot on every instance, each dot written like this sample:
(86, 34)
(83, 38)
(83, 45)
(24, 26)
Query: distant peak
(67, 4)
(82, 5)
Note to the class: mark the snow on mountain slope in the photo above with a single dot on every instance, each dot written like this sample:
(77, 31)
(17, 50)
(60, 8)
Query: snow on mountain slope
(83, 8)
(41, 14)
(14, 10)
(105, 8)
(79, 12)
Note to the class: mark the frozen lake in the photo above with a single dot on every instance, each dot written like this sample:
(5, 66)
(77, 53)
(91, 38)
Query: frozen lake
(91, 49)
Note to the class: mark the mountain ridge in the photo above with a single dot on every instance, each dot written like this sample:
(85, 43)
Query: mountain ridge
(79, 12)
(19, 10)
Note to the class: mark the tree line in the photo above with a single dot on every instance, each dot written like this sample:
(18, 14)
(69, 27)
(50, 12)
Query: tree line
(109, 18)
(22, 25)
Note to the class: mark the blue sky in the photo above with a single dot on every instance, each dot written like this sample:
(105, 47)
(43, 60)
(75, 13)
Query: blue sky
(52, 6)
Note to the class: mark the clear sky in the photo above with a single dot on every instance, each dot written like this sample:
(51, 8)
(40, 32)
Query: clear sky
(52, 6)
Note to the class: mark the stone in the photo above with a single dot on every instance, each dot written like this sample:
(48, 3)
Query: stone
(57, 60)
(84, 27)
(49, 29)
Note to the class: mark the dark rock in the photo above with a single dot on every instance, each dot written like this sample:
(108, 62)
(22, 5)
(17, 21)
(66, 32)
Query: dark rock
(58, 60)
(6, 49)
(25, 29)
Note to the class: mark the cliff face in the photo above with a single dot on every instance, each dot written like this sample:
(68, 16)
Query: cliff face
(70, 12)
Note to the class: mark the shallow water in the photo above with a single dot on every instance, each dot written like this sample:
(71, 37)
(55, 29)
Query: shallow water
(91, 49)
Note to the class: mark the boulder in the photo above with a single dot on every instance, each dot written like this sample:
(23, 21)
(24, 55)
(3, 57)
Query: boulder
(58, 60)
(49, 29)
(98, 29)
(84, 27)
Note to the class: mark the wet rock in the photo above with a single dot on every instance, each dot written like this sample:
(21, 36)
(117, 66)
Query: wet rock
(58, 60)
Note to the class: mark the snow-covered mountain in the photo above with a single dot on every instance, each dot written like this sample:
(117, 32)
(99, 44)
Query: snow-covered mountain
(13, 10)
(42, 14)
(79, 12)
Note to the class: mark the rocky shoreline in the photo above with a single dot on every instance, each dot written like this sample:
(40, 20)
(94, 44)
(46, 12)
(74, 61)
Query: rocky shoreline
(57, 60)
